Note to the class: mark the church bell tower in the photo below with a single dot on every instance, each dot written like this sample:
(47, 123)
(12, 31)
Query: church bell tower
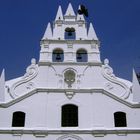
(69, 40)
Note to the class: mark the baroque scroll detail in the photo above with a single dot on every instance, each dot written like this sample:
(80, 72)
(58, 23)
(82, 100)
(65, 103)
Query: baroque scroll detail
(108, 74)
(31, 73)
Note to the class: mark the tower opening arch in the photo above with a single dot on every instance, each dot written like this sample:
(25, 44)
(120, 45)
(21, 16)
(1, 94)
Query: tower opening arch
(58, 55)
(70, 33)
(81, 55)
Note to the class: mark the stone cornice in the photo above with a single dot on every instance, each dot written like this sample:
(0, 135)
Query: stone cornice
(43, 131)
(70, 22)
(55, 41)
(41, 63)
(75, 91)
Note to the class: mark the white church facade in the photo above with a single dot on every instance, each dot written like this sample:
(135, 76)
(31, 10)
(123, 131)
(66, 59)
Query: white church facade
(69, 94)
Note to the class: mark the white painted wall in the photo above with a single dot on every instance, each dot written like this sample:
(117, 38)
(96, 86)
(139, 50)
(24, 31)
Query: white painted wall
(43, 109)
(42, 91)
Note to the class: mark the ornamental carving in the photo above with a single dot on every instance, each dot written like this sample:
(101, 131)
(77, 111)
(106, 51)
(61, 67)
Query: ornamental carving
(108, 74)
(69, 94)
(30, 85)
(31, 73)
(69, 77)
(69, 137)
(109, 86)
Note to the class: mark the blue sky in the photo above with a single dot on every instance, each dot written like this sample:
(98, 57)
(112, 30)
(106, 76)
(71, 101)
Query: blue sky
(23, 22)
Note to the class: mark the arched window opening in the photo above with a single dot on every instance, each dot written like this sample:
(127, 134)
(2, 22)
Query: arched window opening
(120, 119)
(69, 115)
(58, 55)
(18, 119)
(81, 55)
(70, 33)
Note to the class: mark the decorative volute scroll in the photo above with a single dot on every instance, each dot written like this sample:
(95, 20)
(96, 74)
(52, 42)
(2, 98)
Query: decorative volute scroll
(31, 73)
(108, 74)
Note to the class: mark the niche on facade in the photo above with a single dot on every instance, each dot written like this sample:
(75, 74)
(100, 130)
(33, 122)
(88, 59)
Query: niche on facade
(69, 78)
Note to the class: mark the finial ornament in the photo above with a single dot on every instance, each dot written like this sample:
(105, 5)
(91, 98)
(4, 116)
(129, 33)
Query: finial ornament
(59, 15)
(91, 33)
(2, 86)
(106, 61)
(33, 61)
(48, 32)
(70, 11)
